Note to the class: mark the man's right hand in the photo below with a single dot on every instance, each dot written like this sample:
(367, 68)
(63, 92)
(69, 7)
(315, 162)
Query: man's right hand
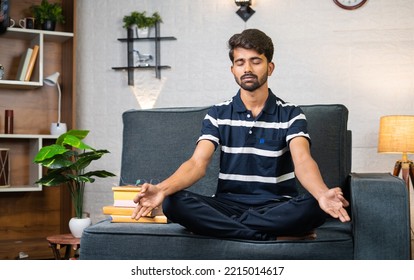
(150, 197)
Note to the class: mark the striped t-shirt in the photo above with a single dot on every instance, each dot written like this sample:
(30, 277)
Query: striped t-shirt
(255, 162)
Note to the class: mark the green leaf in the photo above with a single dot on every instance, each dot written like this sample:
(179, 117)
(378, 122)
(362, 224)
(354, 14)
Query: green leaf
(75, 142)
(80, 134)
(57, 162)
(99, 173)
(49, 152)
(81, 178)
(86, 158)
(51, 180)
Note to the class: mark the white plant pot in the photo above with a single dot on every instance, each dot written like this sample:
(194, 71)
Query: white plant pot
(143, 32)
(77, 226)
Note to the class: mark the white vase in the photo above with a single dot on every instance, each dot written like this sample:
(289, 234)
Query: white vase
(77, 225)
(143, 32)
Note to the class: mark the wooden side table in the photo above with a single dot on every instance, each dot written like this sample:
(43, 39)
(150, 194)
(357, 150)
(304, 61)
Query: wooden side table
(67, 241)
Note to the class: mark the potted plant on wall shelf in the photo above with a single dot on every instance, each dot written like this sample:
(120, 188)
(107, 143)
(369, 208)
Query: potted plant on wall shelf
(48, 14)
(141, 22)
(66, 161)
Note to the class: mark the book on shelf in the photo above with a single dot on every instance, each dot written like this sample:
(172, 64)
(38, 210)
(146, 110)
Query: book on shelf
(128, 219)
(32, 63)
(23, 65)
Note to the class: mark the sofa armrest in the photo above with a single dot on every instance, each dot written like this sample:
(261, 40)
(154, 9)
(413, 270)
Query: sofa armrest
(380, 216)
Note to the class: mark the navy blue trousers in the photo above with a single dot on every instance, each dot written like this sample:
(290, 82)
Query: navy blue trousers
(219, 217)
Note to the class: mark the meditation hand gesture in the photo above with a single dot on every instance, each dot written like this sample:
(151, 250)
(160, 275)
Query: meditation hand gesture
(148, 199)
(333, 203)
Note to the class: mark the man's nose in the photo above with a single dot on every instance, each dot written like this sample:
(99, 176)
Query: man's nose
(247, 68)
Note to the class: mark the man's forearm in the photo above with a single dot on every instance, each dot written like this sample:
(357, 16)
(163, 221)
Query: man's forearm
(310, 177)
(185, 176)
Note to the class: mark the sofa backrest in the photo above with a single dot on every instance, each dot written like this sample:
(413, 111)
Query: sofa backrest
(331, 142)
(157, 141)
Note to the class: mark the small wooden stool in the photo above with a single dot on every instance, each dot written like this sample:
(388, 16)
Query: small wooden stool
(67, 241)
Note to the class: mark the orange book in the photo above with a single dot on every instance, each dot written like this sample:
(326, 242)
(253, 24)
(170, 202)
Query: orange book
(128, 219)
(113, 210)
(32, 63)
(127, 211)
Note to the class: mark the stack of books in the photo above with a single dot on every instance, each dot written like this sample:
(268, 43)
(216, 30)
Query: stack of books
(124, 205)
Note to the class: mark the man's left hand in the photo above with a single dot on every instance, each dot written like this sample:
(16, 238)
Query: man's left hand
(333, 202)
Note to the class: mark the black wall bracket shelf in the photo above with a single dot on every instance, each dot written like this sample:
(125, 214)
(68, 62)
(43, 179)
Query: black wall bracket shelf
(130, 51)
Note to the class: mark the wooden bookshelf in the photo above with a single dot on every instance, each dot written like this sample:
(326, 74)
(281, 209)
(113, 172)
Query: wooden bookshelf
(31, 212)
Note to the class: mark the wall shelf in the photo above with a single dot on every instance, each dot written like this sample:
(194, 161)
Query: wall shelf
(33, 37)
(142, 67)
(130, 68)
(147, 39)
(24, 145)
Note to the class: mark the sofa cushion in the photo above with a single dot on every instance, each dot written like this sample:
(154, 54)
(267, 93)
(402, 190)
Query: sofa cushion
(108, 241)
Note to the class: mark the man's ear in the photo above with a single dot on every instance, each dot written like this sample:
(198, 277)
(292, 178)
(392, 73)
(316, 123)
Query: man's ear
(270, 68)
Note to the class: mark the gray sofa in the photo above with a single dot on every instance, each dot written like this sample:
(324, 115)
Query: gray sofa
(157, 141)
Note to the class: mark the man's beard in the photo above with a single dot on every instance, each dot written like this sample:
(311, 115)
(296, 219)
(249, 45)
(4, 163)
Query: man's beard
(253, 84)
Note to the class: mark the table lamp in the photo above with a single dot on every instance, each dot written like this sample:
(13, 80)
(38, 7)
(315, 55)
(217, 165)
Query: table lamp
(59, 127)
(396, 135)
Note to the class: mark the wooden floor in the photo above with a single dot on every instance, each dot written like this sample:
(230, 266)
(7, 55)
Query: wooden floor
(31, 249)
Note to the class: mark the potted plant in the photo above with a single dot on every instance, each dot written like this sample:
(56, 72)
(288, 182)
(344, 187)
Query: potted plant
(66, 161)
(141, 22)
(48, 14)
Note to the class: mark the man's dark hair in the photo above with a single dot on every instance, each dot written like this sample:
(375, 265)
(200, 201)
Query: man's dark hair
(252, 39)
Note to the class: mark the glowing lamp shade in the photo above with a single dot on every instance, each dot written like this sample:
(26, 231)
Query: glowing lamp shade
(396, 135)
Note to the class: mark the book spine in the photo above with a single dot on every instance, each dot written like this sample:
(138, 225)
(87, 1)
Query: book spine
(24, 63)
(124, 203)
(111, 210)
(32, 62)
(127, 188)
(128, 219)
(125, 195)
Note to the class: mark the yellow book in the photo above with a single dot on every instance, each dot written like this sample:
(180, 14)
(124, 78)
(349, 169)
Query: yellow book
(113, 210)
(128, 219)
(127, 192)
(124, 195)
(127, 211)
